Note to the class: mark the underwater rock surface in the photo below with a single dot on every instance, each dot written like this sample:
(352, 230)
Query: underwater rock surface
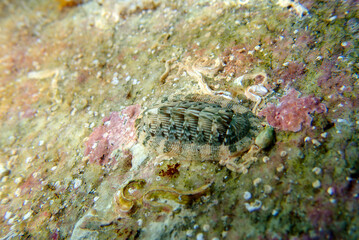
(76, 77)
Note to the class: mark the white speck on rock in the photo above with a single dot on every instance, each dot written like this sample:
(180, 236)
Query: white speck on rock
(206, 228)
(316, 142)
(18, 180)
(316, 184)
(330, 190)
(27, 216)
(17, 192)
(268, 189)
(275, 212)
(238, 80)
(317, 170)
(189, 233)
(7, 215)
(332, 18)
(135, 81)
(200, 236)
(11, 220)
(107, 123)
(115, 81)
(3, 171)
(139, 154)
(257, 181)
(280, 168)
(28, 159)
(77, 183)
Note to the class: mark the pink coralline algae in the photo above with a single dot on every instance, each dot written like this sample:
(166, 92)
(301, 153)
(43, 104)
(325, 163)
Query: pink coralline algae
(117, 132)
(292, 112)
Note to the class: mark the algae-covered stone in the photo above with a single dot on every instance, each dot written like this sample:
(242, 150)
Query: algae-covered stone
(265, 138)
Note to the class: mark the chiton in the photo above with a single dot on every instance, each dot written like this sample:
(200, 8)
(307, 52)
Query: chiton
(198, 130)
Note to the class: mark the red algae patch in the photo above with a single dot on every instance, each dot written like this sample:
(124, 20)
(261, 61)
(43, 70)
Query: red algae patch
(292, 112)
(116, 132)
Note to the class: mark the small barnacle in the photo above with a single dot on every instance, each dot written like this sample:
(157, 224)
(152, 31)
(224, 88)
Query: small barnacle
(247, 195)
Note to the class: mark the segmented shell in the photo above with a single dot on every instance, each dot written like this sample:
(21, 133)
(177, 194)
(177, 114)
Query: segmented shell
(197, 130)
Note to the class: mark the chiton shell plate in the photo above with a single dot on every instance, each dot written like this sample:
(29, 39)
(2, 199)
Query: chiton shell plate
(198, 130)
